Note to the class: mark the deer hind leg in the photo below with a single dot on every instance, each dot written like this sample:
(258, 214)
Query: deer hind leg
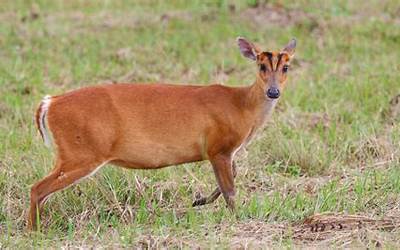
(64, 174)
(215, 194)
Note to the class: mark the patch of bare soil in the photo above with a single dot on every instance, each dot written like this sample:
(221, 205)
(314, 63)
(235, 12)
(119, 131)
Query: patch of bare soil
(183, 15)
(34, 13)
(318, 229)
(123, 55)
(140, 21)
(268, 14)
(4, 109)
(377, 147)
(257, 234)
(392, 114)
(151, 242)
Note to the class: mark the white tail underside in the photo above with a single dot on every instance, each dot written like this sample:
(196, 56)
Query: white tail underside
(43, 121)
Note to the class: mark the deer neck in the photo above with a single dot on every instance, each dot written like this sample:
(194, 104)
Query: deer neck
(259, 104)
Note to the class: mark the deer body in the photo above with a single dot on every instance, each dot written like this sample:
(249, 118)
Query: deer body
(149, 126)
(153, 125)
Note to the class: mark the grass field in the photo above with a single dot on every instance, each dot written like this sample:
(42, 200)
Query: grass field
(333, 145)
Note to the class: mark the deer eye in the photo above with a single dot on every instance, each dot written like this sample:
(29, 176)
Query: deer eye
(263, 67)
(285, 68)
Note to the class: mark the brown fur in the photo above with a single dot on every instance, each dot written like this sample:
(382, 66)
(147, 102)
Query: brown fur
(149, 126)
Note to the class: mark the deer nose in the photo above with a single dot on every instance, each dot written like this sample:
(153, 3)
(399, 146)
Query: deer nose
(273, 93)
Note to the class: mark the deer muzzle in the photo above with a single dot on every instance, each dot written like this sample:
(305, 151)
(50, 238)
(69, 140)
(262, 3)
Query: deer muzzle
(273, 93)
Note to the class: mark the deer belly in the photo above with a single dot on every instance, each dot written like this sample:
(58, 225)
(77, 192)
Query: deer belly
(148, 155)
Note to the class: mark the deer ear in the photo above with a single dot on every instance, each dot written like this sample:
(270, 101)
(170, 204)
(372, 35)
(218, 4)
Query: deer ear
(247, 49)
(290, 47)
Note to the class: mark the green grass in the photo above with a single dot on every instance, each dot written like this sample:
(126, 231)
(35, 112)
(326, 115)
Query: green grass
(328, 148)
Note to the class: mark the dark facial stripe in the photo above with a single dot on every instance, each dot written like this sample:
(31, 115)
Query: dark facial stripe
(279, 60)
(269, 55)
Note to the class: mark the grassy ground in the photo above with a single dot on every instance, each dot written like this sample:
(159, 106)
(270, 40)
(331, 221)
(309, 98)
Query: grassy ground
(332, 145)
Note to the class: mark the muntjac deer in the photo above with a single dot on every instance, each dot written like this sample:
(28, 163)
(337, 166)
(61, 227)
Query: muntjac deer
(150, 126)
